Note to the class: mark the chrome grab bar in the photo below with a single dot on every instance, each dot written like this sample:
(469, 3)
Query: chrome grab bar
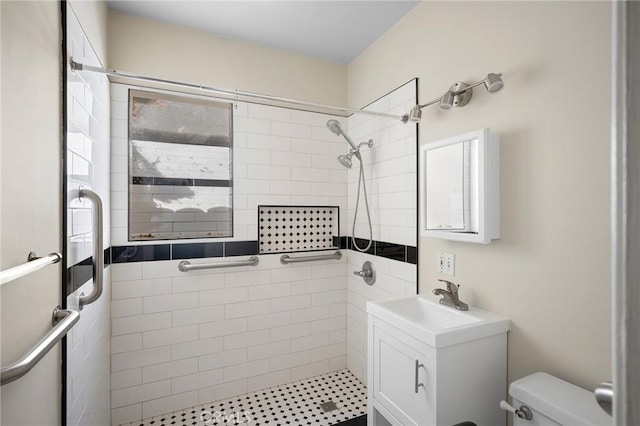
(186, 266)
(98, 255)
(62, 320)
(33, 264)
(285, 259)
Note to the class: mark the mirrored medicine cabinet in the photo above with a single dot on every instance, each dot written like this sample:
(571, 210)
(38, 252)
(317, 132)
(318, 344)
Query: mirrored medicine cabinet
(460, 188)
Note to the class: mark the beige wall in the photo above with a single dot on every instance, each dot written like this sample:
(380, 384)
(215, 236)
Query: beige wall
(550, 270)
(166, 51)
(30, 185)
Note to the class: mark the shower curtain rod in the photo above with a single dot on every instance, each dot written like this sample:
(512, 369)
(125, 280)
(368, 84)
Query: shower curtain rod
(77, 66)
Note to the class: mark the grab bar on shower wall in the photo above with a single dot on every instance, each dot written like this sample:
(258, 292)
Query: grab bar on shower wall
(285, 259)
(186, 266)
(33, 264)
(62, 321)
(98, 256)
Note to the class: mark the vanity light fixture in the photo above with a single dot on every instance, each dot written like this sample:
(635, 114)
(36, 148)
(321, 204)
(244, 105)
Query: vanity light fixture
(458, 95)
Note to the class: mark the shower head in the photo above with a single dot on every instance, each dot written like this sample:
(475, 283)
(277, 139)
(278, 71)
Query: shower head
(345, 160)
(336, 128)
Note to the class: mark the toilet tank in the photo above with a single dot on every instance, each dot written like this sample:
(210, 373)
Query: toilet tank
(556, 402)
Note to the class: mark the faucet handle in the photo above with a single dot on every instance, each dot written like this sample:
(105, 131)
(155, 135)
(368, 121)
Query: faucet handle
(451, 287)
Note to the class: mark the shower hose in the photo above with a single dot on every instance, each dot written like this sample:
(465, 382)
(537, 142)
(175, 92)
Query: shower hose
(361, 182)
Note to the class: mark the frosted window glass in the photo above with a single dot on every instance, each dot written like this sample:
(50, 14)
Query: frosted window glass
(180, 167)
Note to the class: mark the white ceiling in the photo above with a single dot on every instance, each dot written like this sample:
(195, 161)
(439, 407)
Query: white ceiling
(337, 31)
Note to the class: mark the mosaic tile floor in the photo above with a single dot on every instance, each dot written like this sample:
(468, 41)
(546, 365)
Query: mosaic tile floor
(296, 403)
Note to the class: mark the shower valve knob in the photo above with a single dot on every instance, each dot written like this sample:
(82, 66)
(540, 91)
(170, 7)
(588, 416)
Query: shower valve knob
(368, 273)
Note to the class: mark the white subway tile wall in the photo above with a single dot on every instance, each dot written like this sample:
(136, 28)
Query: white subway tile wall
(181, 339)
(390, 170)
(394, 279)
(205, 335)
(88, 162)
(88, 149)
(280, 156)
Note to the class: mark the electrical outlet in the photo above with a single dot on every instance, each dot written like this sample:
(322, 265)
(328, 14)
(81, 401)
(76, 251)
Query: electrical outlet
(447, 264)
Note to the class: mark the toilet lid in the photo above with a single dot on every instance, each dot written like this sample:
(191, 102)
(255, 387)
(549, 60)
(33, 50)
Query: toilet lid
(561, 401)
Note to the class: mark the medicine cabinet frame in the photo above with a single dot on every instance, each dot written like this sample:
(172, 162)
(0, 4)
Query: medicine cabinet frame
(487, 171)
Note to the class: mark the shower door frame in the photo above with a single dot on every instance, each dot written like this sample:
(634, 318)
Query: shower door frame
(625, 212)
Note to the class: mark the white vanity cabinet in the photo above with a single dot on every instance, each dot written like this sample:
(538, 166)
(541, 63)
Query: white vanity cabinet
(403, 379)
(416, 380)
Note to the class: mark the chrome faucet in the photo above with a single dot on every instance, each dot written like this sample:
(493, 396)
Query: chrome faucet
(450, 296)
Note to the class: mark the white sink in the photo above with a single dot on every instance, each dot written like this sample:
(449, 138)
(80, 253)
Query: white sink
(436, 324)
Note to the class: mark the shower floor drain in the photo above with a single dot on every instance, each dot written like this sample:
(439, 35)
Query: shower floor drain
(328, 406)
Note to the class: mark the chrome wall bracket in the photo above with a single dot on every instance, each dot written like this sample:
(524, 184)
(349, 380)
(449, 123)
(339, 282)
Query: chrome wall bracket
(461, 97)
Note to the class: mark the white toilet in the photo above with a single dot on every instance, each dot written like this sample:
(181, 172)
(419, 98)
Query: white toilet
(552, 401)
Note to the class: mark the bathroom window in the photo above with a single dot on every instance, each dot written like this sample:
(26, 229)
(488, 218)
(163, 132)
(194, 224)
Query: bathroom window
(180, 177)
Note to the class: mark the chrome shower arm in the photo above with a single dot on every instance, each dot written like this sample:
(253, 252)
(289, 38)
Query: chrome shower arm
(368, 143)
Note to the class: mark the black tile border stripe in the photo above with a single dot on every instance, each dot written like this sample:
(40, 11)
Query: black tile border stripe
(78, 274)
(140, 253)
(157, 252)
(81, 272)
(144, 180)
(240, 248)
(197, 250)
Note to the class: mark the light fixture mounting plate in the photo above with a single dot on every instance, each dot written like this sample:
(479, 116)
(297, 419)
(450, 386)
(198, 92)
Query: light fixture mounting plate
(463, 98)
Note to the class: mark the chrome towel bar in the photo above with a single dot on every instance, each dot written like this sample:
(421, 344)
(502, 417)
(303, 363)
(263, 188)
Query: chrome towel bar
(98, 255)
(33, 264)
(285, 259)
(186, 266)
(62, 320)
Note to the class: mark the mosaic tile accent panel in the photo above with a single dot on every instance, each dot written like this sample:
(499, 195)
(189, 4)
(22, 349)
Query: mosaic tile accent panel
(296, 403)
(285, 229)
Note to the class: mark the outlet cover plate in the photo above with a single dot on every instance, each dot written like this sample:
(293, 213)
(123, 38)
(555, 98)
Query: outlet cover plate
(447, 264)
